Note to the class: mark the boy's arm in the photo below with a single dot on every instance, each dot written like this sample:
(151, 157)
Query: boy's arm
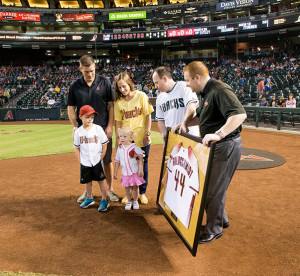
(104, 147)
(77, 153)
(117, 165)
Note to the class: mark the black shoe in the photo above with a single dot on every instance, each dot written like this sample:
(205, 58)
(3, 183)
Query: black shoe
(225, 225)
(206, 238)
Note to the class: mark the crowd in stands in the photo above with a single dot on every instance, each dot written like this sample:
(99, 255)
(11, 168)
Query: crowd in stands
(265, 81)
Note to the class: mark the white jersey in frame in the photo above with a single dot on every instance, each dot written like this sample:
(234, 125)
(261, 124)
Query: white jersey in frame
(183, 183)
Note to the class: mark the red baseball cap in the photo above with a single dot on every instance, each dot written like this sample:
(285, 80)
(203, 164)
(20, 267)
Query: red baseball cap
(87, 110)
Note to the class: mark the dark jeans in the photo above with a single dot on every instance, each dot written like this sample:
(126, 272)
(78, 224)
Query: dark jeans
(143, 187)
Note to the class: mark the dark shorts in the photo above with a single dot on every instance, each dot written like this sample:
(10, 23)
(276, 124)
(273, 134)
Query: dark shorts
(107, 157)
(88, 174)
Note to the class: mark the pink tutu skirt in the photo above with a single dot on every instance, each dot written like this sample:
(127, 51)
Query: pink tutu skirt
(132, 180)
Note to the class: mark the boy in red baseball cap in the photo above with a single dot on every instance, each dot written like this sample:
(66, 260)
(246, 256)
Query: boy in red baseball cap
(90, 142)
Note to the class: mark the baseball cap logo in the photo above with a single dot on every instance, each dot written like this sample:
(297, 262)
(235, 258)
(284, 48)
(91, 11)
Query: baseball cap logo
(87, 110)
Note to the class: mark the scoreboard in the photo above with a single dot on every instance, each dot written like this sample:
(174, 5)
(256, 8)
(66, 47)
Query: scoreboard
(207, 30)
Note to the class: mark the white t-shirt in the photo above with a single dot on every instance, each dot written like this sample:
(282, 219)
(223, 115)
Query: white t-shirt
(183, 183)
(171, 106)
(129, 164)
(90, 143)
(290, 104)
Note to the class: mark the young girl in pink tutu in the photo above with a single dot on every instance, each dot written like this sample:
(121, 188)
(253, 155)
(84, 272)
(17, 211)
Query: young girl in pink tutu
(130, 157)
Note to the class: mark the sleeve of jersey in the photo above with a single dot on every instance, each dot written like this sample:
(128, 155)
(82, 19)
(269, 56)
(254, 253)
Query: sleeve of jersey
(147, 107)
(117, 158)
(190, 97)
(228, 103)
(195, 173)
(117, 111)
(103, 138)
(159, 113)
(138, 151)
(76, 143)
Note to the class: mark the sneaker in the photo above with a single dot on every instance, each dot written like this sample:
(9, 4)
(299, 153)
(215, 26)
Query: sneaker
(143, 199)
(87, 202)
(128, 206)
(112, 196)
(124, 200)
(103, 205)
(82, 197)
(135, 205)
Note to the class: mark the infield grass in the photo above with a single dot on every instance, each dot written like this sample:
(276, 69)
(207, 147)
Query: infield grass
(18, 141)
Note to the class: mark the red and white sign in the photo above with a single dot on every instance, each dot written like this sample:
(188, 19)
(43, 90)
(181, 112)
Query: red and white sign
(20, 16)
(74, 17)
(181, 32)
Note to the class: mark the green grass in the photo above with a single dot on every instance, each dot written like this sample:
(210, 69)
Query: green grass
(41, 140)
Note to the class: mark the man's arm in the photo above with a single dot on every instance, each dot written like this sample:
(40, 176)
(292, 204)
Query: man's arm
(189, 119)
(72, 117)
(162, 129)
(232, 123)
(109, 128)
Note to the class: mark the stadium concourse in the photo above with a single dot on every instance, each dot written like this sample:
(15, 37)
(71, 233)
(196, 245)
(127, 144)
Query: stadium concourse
(43, 229)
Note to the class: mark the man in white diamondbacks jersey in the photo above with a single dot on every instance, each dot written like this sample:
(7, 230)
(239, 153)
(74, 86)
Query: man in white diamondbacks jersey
(182, 184)
(173, 101)
(90, 143)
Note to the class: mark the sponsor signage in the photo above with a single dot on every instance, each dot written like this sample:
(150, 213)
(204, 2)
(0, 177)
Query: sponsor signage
(17, 16)
(48, 38)
(235, 4)
(127, 15)
(73, 17)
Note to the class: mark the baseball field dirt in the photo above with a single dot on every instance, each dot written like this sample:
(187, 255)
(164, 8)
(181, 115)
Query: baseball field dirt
(44, 230)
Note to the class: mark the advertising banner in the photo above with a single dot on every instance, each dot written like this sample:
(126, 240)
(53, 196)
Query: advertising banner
(183, 185)
(18, 16)
(37, 114)
(74, 17)
(235, 4)
(127, 15)
(7, 114)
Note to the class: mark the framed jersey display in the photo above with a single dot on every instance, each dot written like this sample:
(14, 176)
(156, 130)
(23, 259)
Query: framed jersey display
(183, 185)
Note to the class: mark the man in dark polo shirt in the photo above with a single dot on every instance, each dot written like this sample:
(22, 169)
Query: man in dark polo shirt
(220, 116)
(95, 90)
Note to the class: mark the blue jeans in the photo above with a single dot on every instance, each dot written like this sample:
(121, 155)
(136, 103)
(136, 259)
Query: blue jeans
(143, 187)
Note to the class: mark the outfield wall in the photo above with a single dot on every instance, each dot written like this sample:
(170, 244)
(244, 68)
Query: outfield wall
(29, 114)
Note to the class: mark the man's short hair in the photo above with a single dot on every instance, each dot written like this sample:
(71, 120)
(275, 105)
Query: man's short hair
(163, 71)
(196, 68)
(86, 61)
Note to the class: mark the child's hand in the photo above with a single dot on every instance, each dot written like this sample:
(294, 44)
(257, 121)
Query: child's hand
(115, 176)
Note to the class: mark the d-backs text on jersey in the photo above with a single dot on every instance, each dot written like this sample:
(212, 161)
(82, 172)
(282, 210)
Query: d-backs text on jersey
(175, 103)
(88, 140)
(131, 113)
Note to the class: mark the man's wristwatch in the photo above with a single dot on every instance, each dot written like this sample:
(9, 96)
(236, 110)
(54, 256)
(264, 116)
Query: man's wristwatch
(220, 134)
(147, 133)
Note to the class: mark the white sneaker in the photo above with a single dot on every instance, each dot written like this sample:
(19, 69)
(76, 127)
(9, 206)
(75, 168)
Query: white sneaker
(135, 205)
(128, 206)
(82, 197)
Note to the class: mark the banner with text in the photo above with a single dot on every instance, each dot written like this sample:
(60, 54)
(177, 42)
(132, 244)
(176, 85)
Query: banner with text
(235, 4)
(18, 16)
(74, 17)
(127, 15)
